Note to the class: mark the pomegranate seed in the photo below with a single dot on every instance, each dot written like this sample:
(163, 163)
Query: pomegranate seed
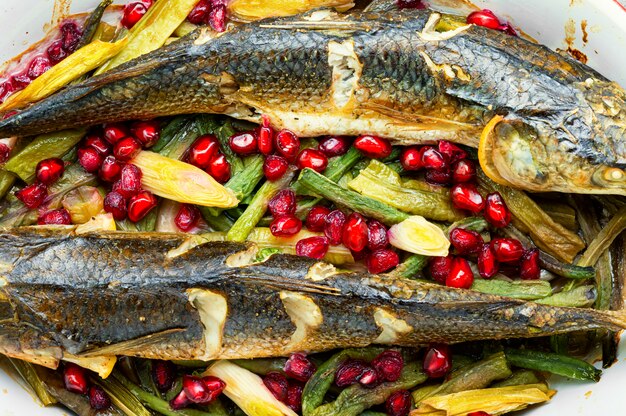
(411, 159)
(6, 89)
(399, 403)
(97, 143)
(200, 13)
(75, 378)
(360, 255)
(479, 413)
(126, 149)
(294, 396)
(217, 17)
(389, 365)
(370, 378)
(487, 263)
(373, 146)
(461, 275)
(140, 205)
(466, 241)
(376, 235)
(49, 170)
(411, 4)
(440, 268)
(437, 361)
(113, 133)
(484, 18)
(133, 12)
(466, 196)
(277, 383)
(163, 374)
(111, 169)
(529, 265)
(265, 138)
(147, 132)
(438, 177)
(38, 66)
(89, 159)
(432, 159)
(285, 226)
(55, 52)
(70, 36)
(180, 401)
(32, 196)
(298, 366)
(98, 398)
(508, 29)
(312, 247)
(463, 171)
(243, 143)
(382, 260)
(215, 386)
(355, 232)
(202, 151)
(195, 389)
(219, 168)
(349, 372)
(507, 250)
(5, 151)
(20, 81)
(287, 144)
(187, 217)
(333, 228)
(283, 203)
(313, 159)
(115, 204)
(55, 217)
(496, 212)
(275, 167)
(129, 183)
(316, 218)
(334, 146)
(450, 151)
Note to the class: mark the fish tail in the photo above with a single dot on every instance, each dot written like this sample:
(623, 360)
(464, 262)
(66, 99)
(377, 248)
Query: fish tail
(615, 320)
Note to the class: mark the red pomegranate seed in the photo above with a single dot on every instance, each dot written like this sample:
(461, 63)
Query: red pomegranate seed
(126, 149)
(20, 81)
(313, 159)
(496, 212)
(195, 389)
(111, 169)
(508, 29)
(202, 150)
(334, 146)
(360, 255)
(479, 413)
(129, 183)
(438, 177)
(299, 366)
(200, 13)
(389, 365)
(6, 89)
(285, 226)
(32, 196)
(275, 167)
(219, 168)
(333, 228)
(370, 378)
(411, 158)
(49, 171)
(529, 265)
(463, 171)
(312, 247)
(217, 17)
(461, 275)
(466, 196)
(399, 403)
(437, 361)
(180, 401)
(89, 159)
(163, 374)
(55, 217)
(38, 66)
(215, 386)
(484, 18)
(244, 143)
(373, 146)
(294, 396)
(98, 143)
(98, 398)
(140, 205)
(75, 378)
(466, 241)
(277, 383)
(55, 52)
(187, 217)
(316, 218)
(133, 12)
(487, 263)
(440, 268)
(5, 151)
(70, 36)
(147, 132)
(115, 132)
(265, 136)
(287, 144)
(355, 231)
(283, 203)
(382, 260)
(349, 372)
(432, 159)
(507, 250)
(115, 204)
(376, 235)
(450, 151)
(411, 4)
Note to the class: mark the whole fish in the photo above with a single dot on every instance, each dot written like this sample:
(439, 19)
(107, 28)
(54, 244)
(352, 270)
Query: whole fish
(74, 297)
(556, 124)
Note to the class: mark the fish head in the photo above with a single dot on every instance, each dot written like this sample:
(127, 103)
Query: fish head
(575, 150)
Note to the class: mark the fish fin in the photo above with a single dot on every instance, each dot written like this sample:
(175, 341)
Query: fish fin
(124, 347)
(324, 19)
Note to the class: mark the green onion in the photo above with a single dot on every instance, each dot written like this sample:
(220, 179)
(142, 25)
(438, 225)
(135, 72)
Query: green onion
(223, 135)
(604, 239)
(578, 297)
(29, 374)
(518, 289)
(553, 363)
(411, 267)
(262, 366)
(519, 378)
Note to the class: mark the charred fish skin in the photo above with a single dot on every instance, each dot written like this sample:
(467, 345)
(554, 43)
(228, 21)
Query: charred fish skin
(120, 294)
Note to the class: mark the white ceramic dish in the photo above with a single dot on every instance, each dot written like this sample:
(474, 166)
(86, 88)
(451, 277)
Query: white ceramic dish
(548, 21)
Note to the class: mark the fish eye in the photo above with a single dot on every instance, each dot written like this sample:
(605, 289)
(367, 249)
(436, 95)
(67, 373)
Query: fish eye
(614, 175)
(609, 177)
